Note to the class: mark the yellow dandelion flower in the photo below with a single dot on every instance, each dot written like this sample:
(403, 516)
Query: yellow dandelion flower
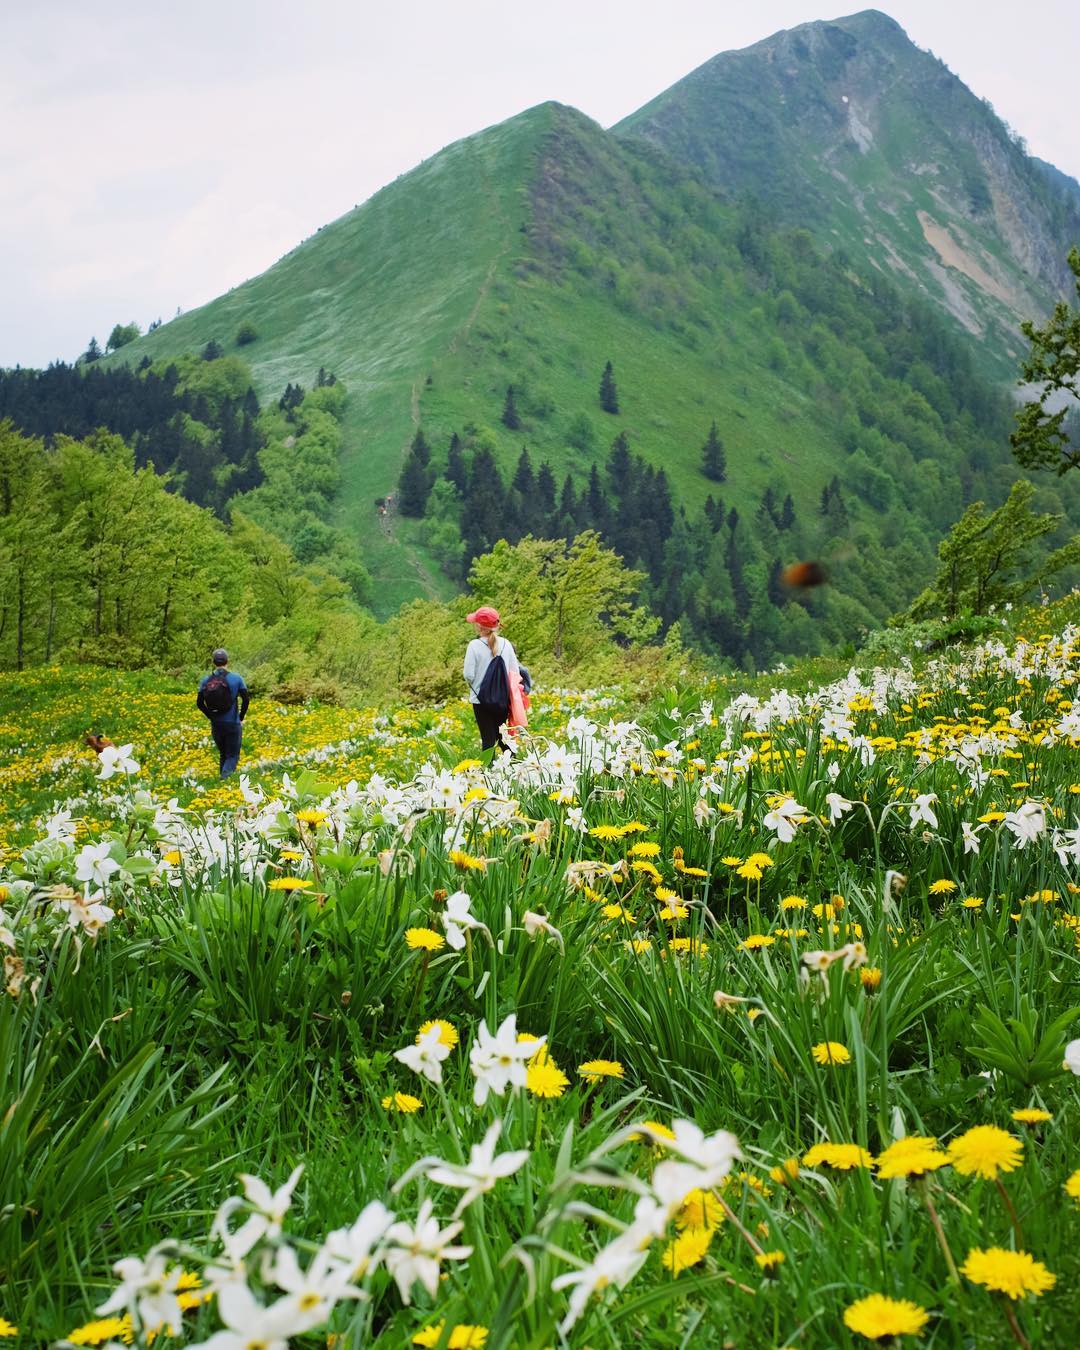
(311, 817)
(172, 857)
(700, 1209)
(424, 939)
(755, 941)
(831, 1052)
(972, 902)
(401, 1103)
(448, 1033)
(289, 884)
(729, 860)
(1014, 1274)
(665, 893)
(769, 1261)
(1072, 1185)
(878, 1317)
(653, 1132)
(1031, 1115)
(671, 913)
(785, 1173)
(8, 1328)
(290, 855)
(870, 978)
(103, 1329)
(464, 765)
(686, 1250)
(984, 1151)
(792, 902)
(544, 1078)
(644, 849)
(606, 832)
(465, 862)
(596, 1069)
(912, 1156)
(462, 1337)
(840, 1157)
(942, 887)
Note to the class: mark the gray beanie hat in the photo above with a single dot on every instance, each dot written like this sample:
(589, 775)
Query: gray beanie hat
(220, 656)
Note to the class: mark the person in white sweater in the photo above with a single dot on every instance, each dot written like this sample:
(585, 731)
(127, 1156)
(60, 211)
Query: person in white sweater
(479, 654)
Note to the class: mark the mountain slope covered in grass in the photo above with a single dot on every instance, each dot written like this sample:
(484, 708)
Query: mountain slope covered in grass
(532, 253)
(850, 129)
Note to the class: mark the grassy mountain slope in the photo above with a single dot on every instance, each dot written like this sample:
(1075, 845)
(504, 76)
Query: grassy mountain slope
(376, 296)
(536, 250)
(851, 129)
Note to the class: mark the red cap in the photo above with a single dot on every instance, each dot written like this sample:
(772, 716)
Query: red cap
(485, 616)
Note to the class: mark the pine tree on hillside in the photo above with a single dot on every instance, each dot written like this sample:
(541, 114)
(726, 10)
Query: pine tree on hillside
(713, 457)
(212, 351)
(775, 587)
(484, 506)
(595, 502)
(568, 502)
(787, 513)
(414, 486)
(93, 351)
(456, 471)
(618, 465)
(545, 492)
(609, 394)
(524, 480)
(420, 448)
(510, 416)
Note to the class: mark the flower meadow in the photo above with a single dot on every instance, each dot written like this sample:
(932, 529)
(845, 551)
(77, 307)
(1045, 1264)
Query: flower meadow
(740, 1019)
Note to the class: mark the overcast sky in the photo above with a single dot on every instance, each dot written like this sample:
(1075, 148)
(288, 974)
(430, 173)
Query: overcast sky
(153, 155)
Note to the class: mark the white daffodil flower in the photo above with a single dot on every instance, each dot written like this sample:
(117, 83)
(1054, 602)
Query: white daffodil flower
(479, 1174)
(535, 924)
(837, 805)
(784, 819)
(147, 1291)
(922, 810)
(249, 1323)
(352, 1247)
(415, 1251)
(270, 1209)
(94, 864)
(1072, 1058)
(499, 1061)
(970, 836)
(1026, 823)
(456, 918)
(616, 1264)
(425, 1056)
(116, 759)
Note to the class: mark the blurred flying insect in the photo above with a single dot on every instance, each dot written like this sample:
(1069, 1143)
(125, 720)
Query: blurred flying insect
(801, 576)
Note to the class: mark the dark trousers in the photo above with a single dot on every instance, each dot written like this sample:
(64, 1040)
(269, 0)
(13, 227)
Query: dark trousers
(489, 720)
(227, 737)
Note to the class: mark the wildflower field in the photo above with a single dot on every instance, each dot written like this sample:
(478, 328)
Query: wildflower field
(740, 1019)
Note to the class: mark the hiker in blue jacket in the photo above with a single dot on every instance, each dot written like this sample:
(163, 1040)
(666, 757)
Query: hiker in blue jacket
(223, 698)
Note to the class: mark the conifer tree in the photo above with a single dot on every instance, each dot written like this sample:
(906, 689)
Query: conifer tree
(484, 508)
(456, 471)
(93, 351)
(545, 491)
(212, 351)
(713, 457)
(568, 503)
(510, 413)
(414, 484)
(420, 448)
(787, 513)
(619, 464)
(524, 481)
(609, 394)
(596, 502)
